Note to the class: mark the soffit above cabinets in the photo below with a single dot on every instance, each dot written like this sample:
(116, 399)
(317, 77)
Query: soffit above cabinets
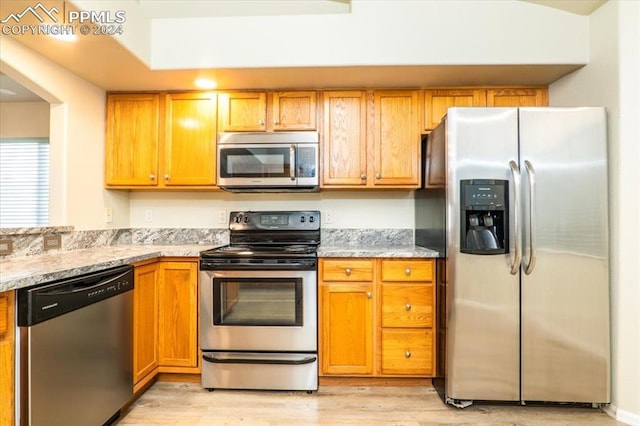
(104, 61)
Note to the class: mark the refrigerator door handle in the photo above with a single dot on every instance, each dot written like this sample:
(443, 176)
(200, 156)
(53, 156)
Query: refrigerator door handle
(515, 265)
(532, 223)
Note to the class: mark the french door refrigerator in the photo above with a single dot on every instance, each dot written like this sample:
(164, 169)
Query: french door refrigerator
(515, 199)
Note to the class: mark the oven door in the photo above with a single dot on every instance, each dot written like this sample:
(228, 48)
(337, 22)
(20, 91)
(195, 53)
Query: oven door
(258, 311)
(270, 165)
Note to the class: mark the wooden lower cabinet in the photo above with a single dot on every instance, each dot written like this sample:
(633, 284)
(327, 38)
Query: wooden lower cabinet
(7, 358)
(145, 323)
(165, 319)
(376, 317)
(178, 316)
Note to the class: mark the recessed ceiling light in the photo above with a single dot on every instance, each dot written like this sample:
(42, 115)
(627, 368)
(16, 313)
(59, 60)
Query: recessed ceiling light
(205, 83)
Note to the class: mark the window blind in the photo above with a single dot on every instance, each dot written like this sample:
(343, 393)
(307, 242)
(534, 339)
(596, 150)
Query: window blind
(24, 182)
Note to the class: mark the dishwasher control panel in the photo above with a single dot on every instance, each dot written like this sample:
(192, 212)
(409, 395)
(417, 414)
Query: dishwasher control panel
(49, 300)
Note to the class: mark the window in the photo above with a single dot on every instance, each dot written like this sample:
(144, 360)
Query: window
(24, 182)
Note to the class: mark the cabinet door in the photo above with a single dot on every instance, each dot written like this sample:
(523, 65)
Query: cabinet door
(178, 304)
(7, 360)
(131, 146)
(437, 101)
(345, 139)
(190, 139)
(517, 97)
(242, 112)
(396, 139)
(346, 328)
(294, 110)
(145, 321)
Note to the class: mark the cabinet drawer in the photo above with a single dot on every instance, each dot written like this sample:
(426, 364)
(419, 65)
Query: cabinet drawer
(407, 352)
(346, 270)
(409, 305)
(407, 270)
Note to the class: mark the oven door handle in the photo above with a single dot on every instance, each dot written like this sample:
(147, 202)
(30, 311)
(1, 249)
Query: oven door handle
(230, 360)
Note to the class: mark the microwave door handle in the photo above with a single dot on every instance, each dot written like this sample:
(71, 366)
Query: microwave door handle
(292, 162)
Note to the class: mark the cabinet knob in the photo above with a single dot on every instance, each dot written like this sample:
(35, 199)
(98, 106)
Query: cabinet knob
(363, 176)
(407, 271)
(276, 122)
(407, 307)
(166, 177)
(369, 295)
(261, 122)
(347, 271)
(378, 176)
(152, 177)
(407, 354)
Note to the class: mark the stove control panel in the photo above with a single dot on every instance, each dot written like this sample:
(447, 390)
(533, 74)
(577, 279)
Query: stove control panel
(274, 220)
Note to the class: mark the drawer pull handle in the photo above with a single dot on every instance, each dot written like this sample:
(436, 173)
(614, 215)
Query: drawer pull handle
(368, 295)
(407, 271)
(407, 307)
(347, 271)
(407, 354)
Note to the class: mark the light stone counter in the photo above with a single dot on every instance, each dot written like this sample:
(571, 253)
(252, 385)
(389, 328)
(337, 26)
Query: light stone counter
(376, 251)
(25, 271)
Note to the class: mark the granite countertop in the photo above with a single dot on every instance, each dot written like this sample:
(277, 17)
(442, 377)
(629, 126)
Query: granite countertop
(25, 271)
(376, 251)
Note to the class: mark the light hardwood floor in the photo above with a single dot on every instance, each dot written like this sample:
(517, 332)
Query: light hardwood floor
(188, 404)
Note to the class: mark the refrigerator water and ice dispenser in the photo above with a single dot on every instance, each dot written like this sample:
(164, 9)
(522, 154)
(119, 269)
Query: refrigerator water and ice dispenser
(484, 216)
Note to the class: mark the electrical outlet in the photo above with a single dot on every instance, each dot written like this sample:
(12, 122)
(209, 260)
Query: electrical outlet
(6, 246)
(52, 242)
(148, 215)
(108, 214)
(328, 216)
(222, 217)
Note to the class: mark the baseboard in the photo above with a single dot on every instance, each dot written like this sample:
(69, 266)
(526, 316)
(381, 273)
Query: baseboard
(623, 416)
(372, 381)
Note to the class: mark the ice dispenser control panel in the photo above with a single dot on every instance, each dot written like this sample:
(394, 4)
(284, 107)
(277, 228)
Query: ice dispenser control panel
(484, 216)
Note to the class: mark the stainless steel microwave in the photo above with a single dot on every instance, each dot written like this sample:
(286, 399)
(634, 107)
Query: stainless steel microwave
(268, 162)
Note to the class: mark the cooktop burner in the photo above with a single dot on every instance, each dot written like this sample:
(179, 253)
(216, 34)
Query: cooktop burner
(270, 234)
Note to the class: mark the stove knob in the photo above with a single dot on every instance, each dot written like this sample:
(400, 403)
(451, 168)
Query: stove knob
(301, 219)
(246, 219)
(312, 219)
(237, 219)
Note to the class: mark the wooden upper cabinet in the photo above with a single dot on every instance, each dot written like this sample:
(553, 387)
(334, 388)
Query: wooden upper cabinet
(242, 112)
(294, 110)
(345, 138)
(190, 139)
(131, 148)
(517, 97)
(396, 139)
(437, 101)
(266, 112)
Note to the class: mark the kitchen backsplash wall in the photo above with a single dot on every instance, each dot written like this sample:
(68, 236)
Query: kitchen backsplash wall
(30, 241)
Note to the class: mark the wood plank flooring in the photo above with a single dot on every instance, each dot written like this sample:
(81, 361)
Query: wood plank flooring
(170, 403)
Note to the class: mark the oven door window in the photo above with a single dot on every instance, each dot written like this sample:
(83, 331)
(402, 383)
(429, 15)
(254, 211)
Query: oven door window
(272, 161)
(257, 301)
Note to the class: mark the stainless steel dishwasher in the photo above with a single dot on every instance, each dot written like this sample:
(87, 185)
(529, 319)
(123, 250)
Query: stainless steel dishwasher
(76, 349)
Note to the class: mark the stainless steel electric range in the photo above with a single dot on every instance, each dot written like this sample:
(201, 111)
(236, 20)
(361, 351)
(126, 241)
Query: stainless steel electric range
(258, 303)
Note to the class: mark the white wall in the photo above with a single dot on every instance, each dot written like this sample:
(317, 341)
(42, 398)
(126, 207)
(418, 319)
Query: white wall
(24, 120)
(349, 209)
(400, 32)
(612, 79)
(77, 128)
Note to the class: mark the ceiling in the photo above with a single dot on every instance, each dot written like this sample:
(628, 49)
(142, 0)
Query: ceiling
(114, 68)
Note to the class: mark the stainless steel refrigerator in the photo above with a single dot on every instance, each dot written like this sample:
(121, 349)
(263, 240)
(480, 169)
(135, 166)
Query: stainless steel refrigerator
(515, 200)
